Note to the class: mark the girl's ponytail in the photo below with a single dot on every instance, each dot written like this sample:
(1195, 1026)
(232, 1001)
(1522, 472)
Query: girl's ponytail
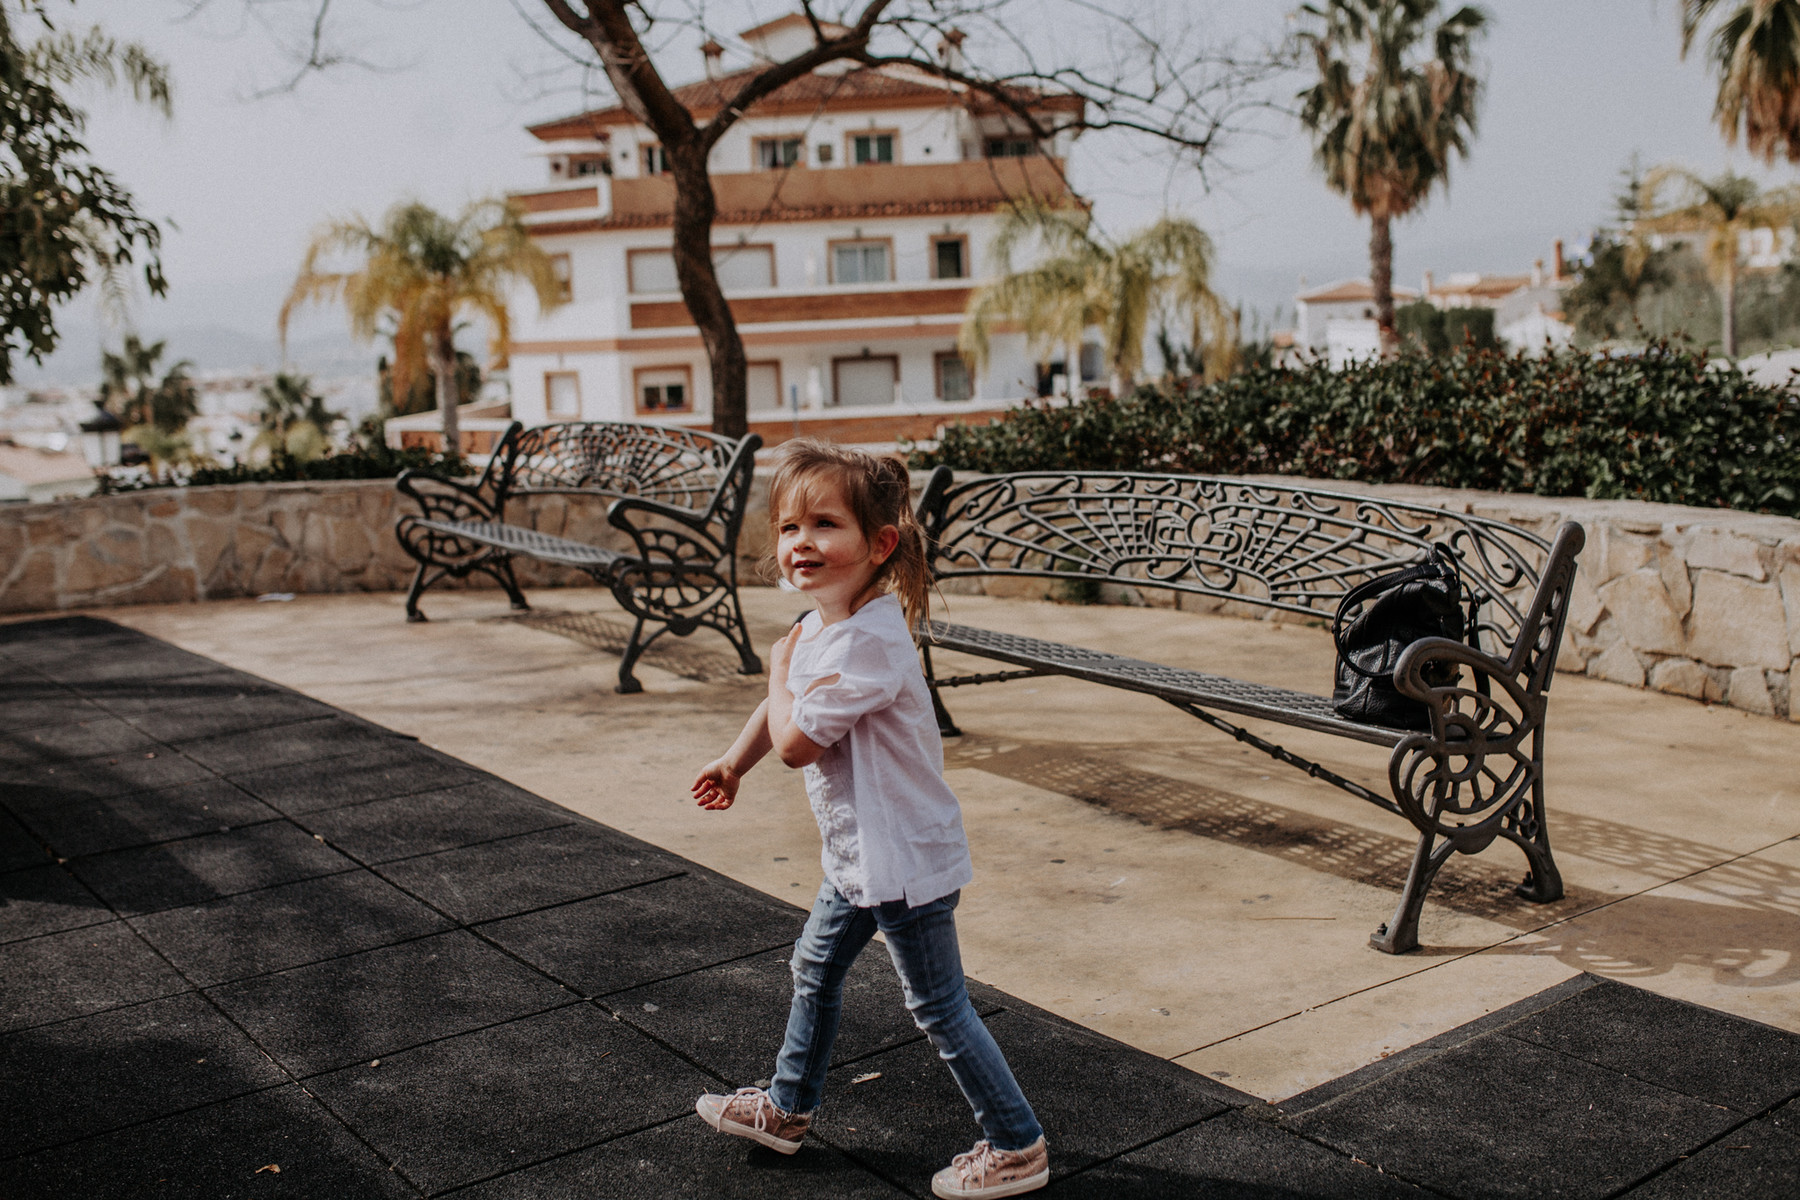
(906, 572)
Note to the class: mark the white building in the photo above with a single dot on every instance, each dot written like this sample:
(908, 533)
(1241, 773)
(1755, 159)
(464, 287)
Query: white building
(855, 212)
(1344, 300)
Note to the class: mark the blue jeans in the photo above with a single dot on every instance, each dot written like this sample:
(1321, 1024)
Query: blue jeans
(922, 943)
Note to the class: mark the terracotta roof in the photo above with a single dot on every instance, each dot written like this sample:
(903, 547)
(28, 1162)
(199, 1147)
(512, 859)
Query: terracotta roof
(863, 88)
(1349, 291)
(1490, 286)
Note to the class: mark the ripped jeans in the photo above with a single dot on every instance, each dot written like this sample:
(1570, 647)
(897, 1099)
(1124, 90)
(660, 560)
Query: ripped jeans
(922, 943)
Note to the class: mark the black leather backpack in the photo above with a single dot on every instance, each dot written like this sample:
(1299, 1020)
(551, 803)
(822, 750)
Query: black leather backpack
(1377, 620)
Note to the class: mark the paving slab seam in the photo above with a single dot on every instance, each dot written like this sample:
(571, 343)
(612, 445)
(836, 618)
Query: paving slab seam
(311, 962)
(125, 1126)
(185, 837)
(250, 891)
(396, 1051)
(573, 1150)
(1681, 1158)
(1561, 1053)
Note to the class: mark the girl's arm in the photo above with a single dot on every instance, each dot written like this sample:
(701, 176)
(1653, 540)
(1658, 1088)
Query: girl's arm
(717, 784)
(794, 747)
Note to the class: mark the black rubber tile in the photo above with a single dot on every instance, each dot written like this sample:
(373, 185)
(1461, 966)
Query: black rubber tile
(132, 698)
(28, 702)
(19, 847)
(87, 825)
(95, 736)
(1755, 1162)
(101, 660)
(379, 1002)
(534, 870)
(238, 713)
(310, 742)
(288, 926)
(731, 1018)
(79, 972)
(628, 938)
(686, 1160)
(220, 1152)
(119, 1068)
(399, 768)
(16, 634)
(1232, 1157)
(1095, 1098)
(1688, 1049)
(198, 869)
(1787, 1117)
(30, 785)
(1499, 1117)
(430, 821)
(44, 900)
(471, 1107)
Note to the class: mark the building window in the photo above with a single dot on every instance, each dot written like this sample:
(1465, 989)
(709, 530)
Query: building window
(581, 166)
(654, 160)
(825, 153)
(867, 381)
(664, 390)
(564, 274)
(950, 257)
(871, 148)
(738, 268)
(562, 394)
(762, 386)
(861, 262)
(953, 381)
(772, 154)
(1011, 148)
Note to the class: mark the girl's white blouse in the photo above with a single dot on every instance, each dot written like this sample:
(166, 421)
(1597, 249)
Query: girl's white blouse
(891, 826)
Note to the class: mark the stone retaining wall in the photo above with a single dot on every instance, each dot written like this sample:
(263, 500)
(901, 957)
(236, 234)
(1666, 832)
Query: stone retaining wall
(1697, 602)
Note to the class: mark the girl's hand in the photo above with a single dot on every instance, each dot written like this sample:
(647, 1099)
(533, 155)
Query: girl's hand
(716, 786)
(781, 654)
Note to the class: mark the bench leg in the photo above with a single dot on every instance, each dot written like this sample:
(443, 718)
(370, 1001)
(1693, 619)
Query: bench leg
(500, 567)
(634, 649)
(1401, 933)
(946, 724)
(739, 634)
(1526, 829)
(419, 584)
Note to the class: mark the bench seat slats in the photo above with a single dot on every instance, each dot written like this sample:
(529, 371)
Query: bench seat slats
(527, 541)
(1301, 709)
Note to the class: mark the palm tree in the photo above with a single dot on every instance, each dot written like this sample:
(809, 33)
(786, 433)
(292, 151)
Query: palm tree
(1723, 209)
(1084, 280)
(1756, 50)
(294, 418)
(129, 387)
(424, 269)
(1384, 137)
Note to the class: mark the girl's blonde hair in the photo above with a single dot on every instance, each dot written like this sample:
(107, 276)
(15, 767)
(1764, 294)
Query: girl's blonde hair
(878, 492)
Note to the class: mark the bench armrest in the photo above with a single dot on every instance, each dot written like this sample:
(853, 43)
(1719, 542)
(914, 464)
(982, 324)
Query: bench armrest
(441, 498)
(696, 543)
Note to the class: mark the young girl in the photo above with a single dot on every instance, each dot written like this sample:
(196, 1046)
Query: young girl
(848, 702)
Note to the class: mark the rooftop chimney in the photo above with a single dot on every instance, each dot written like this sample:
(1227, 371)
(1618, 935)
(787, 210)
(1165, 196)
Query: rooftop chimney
(1537, 273)
(1426, 289)
(950, 50)
(1556, 259)
(714, 53)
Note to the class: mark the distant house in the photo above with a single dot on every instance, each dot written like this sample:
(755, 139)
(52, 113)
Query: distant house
(1344, 300)
(32, 475)
(856, 207)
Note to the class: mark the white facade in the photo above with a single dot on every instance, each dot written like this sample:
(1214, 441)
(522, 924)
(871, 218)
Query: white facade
(847, 280)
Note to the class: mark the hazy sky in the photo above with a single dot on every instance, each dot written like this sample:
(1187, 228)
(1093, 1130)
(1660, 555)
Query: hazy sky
(1575, 87)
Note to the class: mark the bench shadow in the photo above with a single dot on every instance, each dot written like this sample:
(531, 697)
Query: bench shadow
(1746, 938)
(671, 654)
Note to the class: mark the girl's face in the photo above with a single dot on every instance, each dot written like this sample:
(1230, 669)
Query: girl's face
(821, 550)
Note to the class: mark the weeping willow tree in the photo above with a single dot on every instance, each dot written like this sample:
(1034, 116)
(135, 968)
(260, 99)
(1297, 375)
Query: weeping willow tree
(1082, 280)
(423, 270)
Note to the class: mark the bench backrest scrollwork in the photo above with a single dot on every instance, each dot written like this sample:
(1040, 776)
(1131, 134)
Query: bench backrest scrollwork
(701, 472)
(1291, 548)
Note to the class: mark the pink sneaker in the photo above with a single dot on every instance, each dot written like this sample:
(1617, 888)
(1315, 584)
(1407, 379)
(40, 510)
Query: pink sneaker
(985, 1171)
(750, 1113)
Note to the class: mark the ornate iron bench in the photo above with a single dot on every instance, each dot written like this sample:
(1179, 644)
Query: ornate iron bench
(1476, 775)
(678, 494)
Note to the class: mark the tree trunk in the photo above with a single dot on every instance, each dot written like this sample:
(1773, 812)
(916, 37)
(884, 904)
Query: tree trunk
(443, 367)
(695, 208)
(1728, 300)
(1381, 277)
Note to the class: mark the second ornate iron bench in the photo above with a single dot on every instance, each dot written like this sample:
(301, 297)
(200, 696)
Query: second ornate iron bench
(1476, 775)
(677, 494)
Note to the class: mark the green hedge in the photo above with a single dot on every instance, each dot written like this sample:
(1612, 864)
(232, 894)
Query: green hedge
(376, 462)
(1661, 425)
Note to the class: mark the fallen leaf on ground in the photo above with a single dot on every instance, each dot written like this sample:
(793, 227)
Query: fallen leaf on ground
(867, 1077)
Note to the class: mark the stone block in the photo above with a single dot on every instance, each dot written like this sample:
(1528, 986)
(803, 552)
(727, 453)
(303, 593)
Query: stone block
(1195, 602)
(1684, 677)
(162, 547)
(1722, 550)
(1749, 690)
(1737, 623)
(162, 510)
(351, 547)
(208, 540)
(1780, 683)
(31, 587)
(1790, 600)
(952, 587)
(1618, 553)
(1618, 664)
(1642, 614)
(1585, 605)
(1676, 581)
(1017, 587)
(1793, 702)
(109, 561)
(215, 501)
